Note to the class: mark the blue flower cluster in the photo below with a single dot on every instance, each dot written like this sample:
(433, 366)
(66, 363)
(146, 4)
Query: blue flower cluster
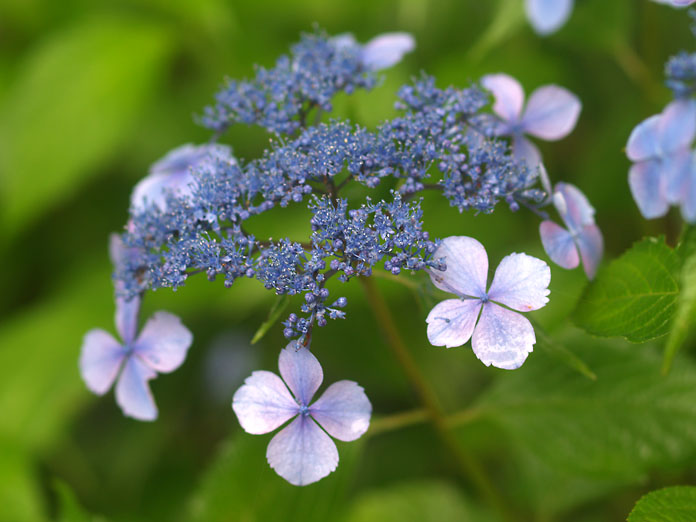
(443, 140)
(280, 99)
(680, 72)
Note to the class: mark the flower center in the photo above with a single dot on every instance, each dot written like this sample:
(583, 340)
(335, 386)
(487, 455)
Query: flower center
(304, 410)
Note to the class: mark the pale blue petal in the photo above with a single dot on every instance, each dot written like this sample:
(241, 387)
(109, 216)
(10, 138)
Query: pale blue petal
(301, 371)
(133, 393)
(386, 50)
(502, 337)
(163, 342)
(100, 359)
(263, 403)
(559, 245)
(547, 16)
(688, 201)
(676, 168)
(153, 189)
(551, 113)
(643, 143)
(591, 245)
(343, 40)
(451, 322)
(521, 282)
(648, 188)
(467, 267)
(524, 150)
(302, 453)
(678, 125)
(573, 207)
(508, 95)
(343, 410)
(126, 317)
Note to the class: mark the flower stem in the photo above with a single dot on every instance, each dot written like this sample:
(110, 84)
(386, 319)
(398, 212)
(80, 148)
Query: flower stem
(431, 405)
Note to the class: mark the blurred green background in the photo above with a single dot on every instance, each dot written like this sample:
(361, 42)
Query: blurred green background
(91, 93)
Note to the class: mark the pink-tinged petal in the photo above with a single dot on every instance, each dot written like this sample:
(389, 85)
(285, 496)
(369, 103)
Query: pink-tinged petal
(302, 453)
(521, 282)
(688, 200)
(100, 359)
(524, 150)
(451, 322)
(551, 113)
(547, 16)
(591, 245)
(126, 318)
(343, 410)
(467, 267)
(386, 50)
(644, 141)
(502, 338)
(677, 125)
(301, 371)
(573, 207)
(648, 188)
(163, 342)
(133, 393)
(676, 168)
(263, 403)
(508, 94)
(559, 245)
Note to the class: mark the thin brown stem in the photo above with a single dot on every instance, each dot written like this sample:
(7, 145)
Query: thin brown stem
(431, 405)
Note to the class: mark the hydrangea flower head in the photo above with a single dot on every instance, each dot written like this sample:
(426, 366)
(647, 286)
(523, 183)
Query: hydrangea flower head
(551, 114)
(172, 174)
(581, 232)
(160, 347)
(548, 16)
(660, 148)
(501, 337)
(302, 452)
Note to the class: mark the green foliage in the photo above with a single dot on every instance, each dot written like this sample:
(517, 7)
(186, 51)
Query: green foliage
(274, 315)
(674, 504)
(423, 501)
(629, 421)
(72, 106)
(685, 315)
(634, 296)
(241, 486)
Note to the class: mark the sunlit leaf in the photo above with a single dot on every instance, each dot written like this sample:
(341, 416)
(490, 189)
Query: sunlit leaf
(634, 296)
(674, 504)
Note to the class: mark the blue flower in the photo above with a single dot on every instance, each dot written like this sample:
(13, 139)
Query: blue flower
(160, 347)
(501, 337)
(548, 16)
(550, 114)
(663, 168)
(562, 244)
(302, 452)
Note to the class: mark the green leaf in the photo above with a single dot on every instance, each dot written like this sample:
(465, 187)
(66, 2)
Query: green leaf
(627, 422)
(240, 485)
(69, 507)
(75, 102)
(20, 494)
(686, 305)
(423, 501)
(635, 296)
(673, 504)
(561, 352)
(273, 315)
